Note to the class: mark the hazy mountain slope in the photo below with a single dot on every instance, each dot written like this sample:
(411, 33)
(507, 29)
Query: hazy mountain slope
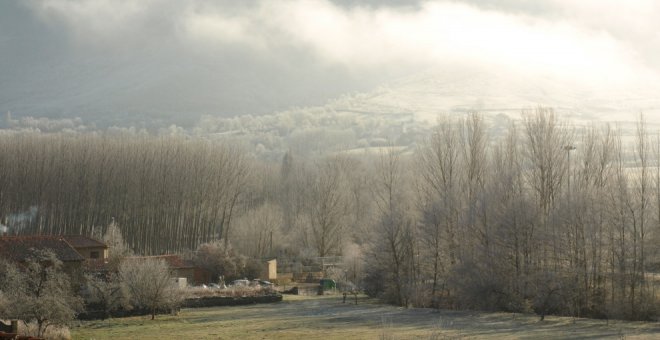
(403, 111)
(46, 71)
(497, 91)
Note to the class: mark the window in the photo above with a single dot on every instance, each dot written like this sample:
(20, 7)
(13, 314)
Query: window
(94, 254)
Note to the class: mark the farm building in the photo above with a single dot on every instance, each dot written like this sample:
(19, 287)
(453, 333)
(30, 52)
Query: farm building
(19, 248)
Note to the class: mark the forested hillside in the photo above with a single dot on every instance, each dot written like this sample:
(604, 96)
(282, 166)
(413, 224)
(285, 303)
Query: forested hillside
(544, 217)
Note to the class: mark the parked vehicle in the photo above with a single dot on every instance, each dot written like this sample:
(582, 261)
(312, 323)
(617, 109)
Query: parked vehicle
(240, 283)
(265, 283)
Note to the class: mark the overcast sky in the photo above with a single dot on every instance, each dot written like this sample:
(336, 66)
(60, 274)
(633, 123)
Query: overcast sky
(185, 58)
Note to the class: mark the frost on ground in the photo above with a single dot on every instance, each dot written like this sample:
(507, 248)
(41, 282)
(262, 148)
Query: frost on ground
(328, 318)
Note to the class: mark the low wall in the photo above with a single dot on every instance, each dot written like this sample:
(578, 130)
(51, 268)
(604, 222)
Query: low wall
(209, 301)
(100, 315)
(303, 290)
(212, 301)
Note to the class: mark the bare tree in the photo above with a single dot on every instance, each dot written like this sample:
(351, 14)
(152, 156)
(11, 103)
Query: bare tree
(150, 284)
(40, 292)
(546, 217)
(260, 232)
(475, 206)
(586, 210)
(222, 260)
(170, 193)
(392, 251)
(107, 292)
(438, 184)
(117, 247)
(618, 220)
(545, 145)
(640, 213)
(327, 207)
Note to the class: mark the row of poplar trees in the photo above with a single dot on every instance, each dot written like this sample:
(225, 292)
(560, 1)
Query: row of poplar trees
(544, 217)
(168, 193)
(549, 218)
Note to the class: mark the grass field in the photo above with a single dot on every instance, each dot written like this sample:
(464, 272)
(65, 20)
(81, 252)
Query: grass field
(326, 317)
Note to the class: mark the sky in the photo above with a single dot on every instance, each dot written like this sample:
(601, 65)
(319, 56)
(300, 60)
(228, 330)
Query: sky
(170, 60)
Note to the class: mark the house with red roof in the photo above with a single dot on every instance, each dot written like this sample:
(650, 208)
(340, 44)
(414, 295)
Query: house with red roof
(19, 248)
(89, 248)
(79, 253)
(179, 268)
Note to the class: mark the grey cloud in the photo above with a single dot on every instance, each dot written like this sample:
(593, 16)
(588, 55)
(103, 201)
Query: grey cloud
(126, 62)
(53, 69)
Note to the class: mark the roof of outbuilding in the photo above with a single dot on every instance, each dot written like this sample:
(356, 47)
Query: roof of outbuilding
(80, 241)
(18, 248)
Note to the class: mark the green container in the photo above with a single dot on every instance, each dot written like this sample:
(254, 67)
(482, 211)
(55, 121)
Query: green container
(328, 284)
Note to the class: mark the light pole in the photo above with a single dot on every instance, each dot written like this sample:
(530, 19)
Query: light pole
(568, 149)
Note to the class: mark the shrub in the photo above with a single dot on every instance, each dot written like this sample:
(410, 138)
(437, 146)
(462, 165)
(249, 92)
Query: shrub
(221, 259)
(52, 333)
(108, 293)
(241, 291)
(150, 285)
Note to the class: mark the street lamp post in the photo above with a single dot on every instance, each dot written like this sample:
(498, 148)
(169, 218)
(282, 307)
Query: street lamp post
(568, 149)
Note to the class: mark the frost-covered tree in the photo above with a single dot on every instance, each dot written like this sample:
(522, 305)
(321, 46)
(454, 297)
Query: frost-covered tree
(39, 292)
(109, 293)
(221, 259)
(117, 247)
(390, 267)
(327, 208)
(150, 284)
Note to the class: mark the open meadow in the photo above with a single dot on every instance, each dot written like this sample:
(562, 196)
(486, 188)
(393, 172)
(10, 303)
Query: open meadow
(326, 317)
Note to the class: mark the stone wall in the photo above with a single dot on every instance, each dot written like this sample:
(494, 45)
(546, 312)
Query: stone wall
(212, 301)
(209, 301)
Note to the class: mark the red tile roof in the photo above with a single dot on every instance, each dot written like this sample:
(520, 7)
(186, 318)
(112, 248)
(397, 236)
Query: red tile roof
(80, 241)
(18, 248)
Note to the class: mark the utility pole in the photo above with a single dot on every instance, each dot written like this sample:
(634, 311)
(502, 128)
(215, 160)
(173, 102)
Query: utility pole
(568, 149)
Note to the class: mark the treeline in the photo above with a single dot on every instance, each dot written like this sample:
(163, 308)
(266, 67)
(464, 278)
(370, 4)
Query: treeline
(170, 194)
(546, 218)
